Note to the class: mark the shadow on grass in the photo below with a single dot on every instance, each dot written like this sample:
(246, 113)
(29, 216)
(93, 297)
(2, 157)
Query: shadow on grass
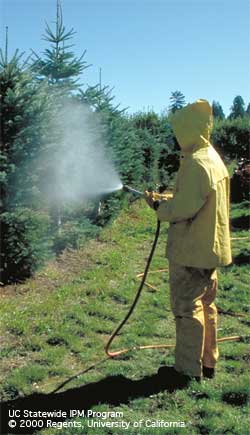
(113, 390)
(241, 222)
(242, 258)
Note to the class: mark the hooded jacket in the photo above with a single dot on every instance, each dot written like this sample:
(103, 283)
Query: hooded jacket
(199, 210)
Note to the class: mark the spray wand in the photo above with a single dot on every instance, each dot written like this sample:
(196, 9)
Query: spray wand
(131, 190)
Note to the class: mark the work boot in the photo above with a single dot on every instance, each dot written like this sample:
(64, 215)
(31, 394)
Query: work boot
(208, 372)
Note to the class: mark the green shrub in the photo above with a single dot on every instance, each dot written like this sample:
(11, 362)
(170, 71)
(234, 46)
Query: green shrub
(24, 243)
(231, 137)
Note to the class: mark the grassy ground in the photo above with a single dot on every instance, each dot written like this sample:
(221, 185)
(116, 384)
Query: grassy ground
(57, 323)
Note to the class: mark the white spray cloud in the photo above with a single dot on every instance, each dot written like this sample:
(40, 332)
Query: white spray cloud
(82, 169)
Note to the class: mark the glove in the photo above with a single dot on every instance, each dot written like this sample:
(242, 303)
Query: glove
(153, 199)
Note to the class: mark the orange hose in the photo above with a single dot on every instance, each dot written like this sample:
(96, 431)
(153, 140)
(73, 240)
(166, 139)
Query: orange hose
(163, 346)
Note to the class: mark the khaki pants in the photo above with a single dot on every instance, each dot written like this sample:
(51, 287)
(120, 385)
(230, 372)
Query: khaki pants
(192, 294)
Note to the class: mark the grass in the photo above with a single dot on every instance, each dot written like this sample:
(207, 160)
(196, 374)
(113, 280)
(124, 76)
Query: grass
(57, 324)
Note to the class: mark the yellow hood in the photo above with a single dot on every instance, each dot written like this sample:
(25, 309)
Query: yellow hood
(192, 125)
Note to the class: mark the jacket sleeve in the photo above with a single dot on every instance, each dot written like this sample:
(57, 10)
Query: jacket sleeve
(192, 190)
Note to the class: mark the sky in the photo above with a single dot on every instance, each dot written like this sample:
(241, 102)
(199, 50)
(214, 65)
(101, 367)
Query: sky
(147, 49)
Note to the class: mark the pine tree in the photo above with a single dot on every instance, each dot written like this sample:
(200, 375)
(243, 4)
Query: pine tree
(59, 64)
(61, 69)
(24, 109)
(238, 108)
(217, 110)
(177, 101)
(101, 100)
(169, 153)
(148, 126)
(24, 119)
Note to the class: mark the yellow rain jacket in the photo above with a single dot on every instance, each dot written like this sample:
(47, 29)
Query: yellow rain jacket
(199, 210)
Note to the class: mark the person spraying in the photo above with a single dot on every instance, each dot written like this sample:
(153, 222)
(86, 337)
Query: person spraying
(198, 241)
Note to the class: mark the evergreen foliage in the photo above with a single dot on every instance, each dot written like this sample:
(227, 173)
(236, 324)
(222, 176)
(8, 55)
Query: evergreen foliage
(232, 137)
(238, 108)
(169, 155)
(24, 110)
(160, 149)
(24, 118)
(59, 65)
(177, 101)
(217, 110)
(60, 68)
(148, 127)
(25, 243)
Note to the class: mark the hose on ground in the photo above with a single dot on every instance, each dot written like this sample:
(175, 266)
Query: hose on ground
(112, 354)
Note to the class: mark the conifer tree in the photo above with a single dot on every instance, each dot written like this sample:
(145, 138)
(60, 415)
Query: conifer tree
(148, 126)
(59, 64)
(24, 109)
(24, 118)
(217, 110)
(177, 101)
(238, 108)
(61, 69)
